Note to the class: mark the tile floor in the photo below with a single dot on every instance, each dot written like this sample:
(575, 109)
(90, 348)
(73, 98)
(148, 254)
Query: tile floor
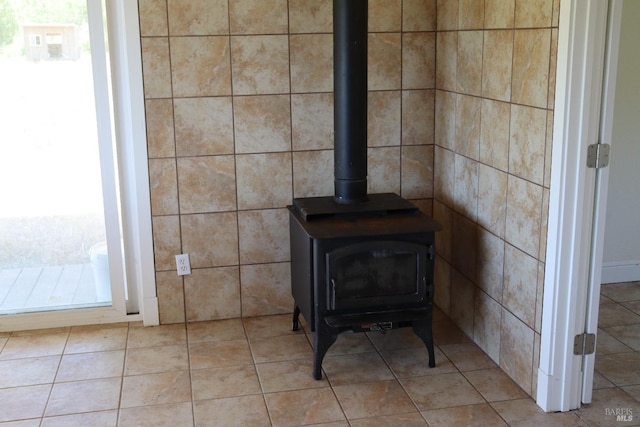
(256, 372)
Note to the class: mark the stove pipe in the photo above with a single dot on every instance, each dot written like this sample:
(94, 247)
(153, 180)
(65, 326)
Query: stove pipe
(350, 100)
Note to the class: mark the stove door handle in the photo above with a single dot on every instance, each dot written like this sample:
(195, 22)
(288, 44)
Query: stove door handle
(332, 302)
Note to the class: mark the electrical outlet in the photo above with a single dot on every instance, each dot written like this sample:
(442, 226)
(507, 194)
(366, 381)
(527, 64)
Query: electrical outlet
(182, 264)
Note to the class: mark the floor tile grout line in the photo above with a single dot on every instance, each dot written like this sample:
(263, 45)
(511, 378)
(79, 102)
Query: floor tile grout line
(253, 358)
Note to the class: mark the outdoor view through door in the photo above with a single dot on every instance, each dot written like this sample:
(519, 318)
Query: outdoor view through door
(56, 159)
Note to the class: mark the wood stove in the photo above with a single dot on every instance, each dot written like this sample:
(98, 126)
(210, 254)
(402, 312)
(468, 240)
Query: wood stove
(359, 262)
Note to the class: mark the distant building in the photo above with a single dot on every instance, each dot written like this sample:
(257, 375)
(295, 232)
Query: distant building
(51, 41)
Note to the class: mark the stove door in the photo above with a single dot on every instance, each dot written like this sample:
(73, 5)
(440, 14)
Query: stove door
(376, 275)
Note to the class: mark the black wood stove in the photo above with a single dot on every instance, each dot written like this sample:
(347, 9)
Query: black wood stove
(359, 262)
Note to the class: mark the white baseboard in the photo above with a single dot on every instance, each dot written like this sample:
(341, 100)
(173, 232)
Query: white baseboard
(620, 271)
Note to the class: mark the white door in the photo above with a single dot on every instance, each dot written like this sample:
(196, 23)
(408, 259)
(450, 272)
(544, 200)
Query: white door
(619, 126)
(601, 189)
(59, 220)
(59, 159)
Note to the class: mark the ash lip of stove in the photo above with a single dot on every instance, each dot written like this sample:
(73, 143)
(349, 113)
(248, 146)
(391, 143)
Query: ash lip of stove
(359, 262)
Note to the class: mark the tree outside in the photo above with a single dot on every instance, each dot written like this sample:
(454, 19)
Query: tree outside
(8, 23)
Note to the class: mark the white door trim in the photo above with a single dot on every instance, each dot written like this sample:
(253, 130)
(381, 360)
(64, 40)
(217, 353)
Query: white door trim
(582, 28)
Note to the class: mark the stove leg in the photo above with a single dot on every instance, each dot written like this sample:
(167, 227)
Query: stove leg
(296, 315)
(422, 329)
(321, 343)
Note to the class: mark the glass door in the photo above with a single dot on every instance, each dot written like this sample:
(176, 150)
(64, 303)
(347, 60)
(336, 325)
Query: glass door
(58, 248)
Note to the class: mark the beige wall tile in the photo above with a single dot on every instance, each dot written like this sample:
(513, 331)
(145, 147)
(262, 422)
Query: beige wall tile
(160, 130)
(520, 284)
(516, 350)
(385, 15)
(444, 215)
(469, 67)
(466, 187)
(533, 13)
(444, 176)
(262, 123)
(313, 173)
(310, 16)
(212, 293)
(156, 68)
(264, 236)
(524, 201)
(447, 14)
(311, 63)
(163, 179)
(153, 17)
(468, 110)
(539, 299)
(556, 13)
(200, 66)
(417, 171)
(198, 176)
(465, 241)
(266, 289)
(531, 56)
(312, 121)
(198, 17)
(494, 135)
(470, 14)
(548, 147)
(527, 143)
(445, 126)
(419, 15)
(490, 265)
(442, 278)
(203, 126)
(499, 198)
(384, 125)
(499, 13)
(497, 64)
(383, 164)
(170, 293)
(264, 180)
(551, 98)
(201, 231)
(258, 17)
(487, 320)
(418, 60)
(418, 117)
(384, 61)
(463, 302)
(544, 224)
(446, 60)
(260, 64)
(492, 199)
(166, 241)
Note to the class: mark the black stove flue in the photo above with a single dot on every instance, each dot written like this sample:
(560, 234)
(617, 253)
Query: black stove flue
(359, 262)
(350, 100)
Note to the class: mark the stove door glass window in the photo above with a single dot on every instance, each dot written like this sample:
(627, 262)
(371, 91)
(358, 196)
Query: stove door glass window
(375, 274)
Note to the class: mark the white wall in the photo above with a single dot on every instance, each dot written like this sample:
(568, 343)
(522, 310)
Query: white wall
(622, 236)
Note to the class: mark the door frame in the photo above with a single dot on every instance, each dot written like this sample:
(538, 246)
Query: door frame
(574, 254)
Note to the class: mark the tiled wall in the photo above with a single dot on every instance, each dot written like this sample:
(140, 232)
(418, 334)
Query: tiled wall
(239, 110)
(495, 81)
